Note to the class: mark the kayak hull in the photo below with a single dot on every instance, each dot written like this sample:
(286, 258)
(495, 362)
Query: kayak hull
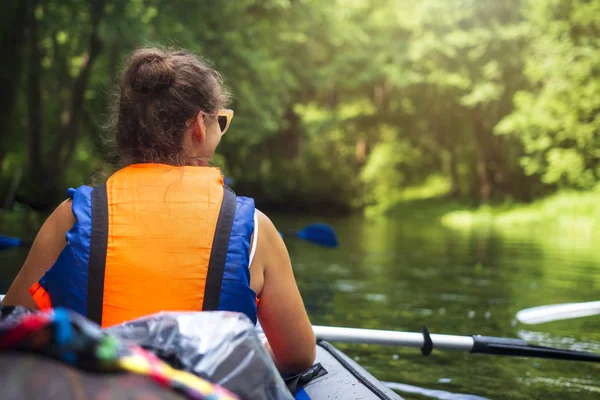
(29, 376)
(345, 379)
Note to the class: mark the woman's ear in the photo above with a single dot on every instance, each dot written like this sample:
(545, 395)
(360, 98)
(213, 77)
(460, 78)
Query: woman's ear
(199, 130)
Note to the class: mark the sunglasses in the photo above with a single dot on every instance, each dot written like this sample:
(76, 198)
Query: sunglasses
(224, 117)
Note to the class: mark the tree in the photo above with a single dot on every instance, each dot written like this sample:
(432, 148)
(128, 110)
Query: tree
(558, 119)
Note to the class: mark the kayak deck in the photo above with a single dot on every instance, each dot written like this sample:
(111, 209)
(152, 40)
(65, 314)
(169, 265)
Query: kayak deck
(345, 379)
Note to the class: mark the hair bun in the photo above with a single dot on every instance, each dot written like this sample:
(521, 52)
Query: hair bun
(150, 71)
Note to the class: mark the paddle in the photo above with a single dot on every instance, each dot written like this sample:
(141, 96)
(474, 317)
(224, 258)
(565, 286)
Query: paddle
(557, 312)
(427, 342)
(7, 242)
(318, 233)
(470, 344)
(321, 234)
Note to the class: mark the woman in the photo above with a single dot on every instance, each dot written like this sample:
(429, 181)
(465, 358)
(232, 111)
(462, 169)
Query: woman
(163, 232)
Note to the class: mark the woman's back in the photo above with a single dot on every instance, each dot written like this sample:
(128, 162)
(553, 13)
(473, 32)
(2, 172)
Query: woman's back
(154, 238)
(163, 233)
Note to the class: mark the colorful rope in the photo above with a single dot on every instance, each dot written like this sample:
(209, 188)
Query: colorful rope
(70, 338)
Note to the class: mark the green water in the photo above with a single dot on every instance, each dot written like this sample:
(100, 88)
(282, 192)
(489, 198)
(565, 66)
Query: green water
(404, 274)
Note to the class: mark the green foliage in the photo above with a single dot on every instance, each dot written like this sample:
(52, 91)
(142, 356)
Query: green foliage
(558, 121)
(384, 172)
(338, 104)
(573, 214)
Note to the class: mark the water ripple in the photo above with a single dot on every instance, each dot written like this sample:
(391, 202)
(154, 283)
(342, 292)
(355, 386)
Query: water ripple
(436, 394)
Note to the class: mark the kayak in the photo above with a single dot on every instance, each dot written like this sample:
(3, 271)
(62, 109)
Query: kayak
(344, 380)
(221, 347)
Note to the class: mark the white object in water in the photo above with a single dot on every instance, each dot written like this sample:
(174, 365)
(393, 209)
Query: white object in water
(557, 312)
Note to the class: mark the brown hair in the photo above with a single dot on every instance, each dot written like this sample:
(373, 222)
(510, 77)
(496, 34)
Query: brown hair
(160, 90)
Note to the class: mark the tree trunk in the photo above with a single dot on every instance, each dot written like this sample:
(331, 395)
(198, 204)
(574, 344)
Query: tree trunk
(483, 175)
(287, 144)
(34, 98)
(64, 149)
(12, 190)
(45, 172)
(113, 58)
(454, 178)
(361, 150)
(13, 18)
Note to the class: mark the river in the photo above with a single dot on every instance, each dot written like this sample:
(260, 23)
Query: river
(391, 273)
(406, 274)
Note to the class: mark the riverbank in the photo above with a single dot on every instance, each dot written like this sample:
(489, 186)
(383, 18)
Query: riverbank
(568, 211)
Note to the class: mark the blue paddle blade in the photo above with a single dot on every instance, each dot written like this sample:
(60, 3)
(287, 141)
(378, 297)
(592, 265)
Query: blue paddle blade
(7, 242)
(322, 234)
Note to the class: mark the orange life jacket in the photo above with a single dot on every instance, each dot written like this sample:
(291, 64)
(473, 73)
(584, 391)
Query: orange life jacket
(154, 238)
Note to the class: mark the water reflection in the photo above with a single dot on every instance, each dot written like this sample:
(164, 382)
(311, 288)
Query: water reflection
(404, 274)
(436, 394)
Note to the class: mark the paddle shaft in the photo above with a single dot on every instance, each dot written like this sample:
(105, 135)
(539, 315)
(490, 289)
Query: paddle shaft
(427, 342)
(392, 338)
(470, 344)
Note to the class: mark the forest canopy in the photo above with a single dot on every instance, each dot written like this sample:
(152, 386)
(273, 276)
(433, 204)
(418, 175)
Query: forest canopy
(338, 104)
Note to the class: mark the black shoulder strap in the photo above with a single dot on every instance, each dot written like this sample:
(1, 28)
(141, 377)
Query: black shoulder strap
(97, 260)
(218, 254)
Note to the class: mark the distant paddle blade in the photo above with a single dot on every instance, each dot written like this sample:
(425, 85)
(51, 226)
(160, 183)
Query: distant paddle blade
(8, 242)
(557, 312)
(322, 234)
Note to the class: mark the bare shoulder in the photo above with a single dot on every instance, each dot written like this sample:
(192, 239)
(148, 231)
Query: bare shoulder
(266, 225)
(267, 245)
(272, 249)
(64, 210)
(62, 218)
(45, 249)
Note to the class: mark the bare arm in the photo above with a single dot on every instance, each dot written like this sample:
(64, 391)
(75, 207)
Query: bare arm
(44, 252)
(281, 311)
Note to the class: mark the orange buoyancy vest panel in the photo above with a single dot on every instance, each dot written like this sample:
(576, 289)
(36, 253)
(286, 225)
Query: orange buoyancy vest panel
(161, 226)
(153, 238)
